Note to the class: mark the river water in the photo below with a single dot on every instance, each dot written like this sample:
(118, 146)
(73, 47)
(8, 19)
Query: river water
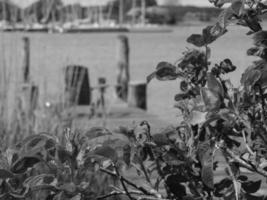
(51, 52)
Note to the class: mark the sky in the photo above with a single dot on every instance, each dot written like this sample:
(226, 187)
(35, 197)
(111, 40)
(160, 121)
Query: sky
(25, 3)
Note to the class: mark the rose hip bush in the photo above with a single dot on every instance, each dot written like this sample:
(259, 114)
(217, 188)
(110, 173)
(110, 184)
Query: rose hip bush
(224, 129)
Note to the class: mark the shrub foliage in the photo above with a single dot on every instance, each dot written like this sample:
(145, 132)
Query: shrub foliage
(224, 130)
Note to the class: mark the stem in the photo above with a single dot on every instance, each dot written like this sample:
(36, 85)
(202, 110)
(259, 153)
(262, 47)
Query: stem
(232, 176)
(109, 195)
(123, 184)
(206, 56)
(246, 144)
(116, 193)
(226, 94)
(145, 172)
(244, 163)
(262, 102)
(140, 188)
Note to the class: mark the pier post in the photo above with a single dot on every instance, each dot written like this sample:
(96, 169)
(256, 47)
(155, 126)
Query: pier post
(123, 74)
(26, 60)
(102, 83)
(137, 95)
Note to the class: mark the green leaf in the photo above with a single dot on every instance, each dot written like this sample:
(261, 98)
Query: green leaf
(39, 180)
(182, 96)
(184, 86)
(205, 156)
(127, 154)
(212, 100)
(175, 186)
(224, 17)
(63, 155)
(197, 40)
(164, 72)
(197, 117)
(125, 131)
(69, 188)
(107, 152)
(237, 7)
(161, 139)
(36, 145)
(22, 164)
(101, 155)
(250, 77)
(220, 187)
(4, 164)
(220, 3)
(260, 39)
(5, 174)
(217, 30)
(214, 85)
(97, 132)
(76, 197)
(209, 36)
(251, 186)
(226, 66)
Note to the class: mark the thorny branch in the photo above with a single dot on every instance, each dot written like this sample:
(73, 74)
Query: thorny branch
(140, 188)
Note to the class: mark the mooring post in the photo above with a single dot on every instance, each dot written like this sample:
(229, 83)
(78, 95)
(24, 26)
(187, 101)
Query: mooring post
(137, 95)
(29, 92)
(26, 60)
(123, 74)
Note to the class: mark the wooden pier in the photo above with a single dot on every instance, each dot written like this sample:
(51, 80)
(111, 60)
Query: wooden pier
(119, 114)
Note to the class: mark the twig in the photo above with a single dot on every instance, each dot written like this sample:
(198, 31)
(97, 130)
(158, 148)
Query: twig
(116, 193)
(246, 144)
(110, 195)
(244, 163)
(262, 103)
(140, 188)
(206, 56)
(123, 184)
(145, 171)
(150, 198)
(232, 176)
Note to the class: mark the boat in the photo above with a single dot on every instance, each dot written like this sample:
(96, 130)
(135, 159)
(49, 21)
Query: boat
(143, 26)
(149, 28)
(83, 26)
(95, 21)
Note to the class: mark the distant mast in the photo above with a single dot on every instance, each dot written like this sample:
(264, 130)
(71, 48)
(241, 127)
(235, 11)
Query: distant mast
(4, 10)
(134, 8)
(143, 12)
(121, 12)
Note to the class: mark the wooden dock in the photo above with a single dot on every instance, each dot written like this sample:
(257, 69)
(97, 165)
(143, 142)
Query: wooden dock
(119, 114)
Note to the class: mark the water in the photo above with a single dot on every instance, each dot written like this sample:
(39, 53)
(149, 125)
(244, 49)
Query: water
(51, 52)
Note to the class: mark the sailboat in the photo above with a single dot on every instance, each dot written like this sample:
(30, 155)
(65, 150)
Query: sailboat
(95, 20)
(4, 23)
(143, 26)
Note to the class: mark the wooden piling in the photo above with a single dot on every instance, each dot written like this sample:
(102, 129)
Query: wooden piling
(26, 60)
(101, 104)
(123, 74)
(137, 95)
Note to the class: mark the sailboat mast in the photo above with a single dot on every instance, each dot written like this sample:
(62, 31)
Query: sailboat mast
(133, 8)
(36, 12)
(143, 11)
(4, 10)
(121, 13)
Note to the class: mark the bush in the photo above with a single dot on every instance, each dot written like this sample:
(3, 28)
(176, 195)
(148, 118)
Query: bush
(219, 121)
